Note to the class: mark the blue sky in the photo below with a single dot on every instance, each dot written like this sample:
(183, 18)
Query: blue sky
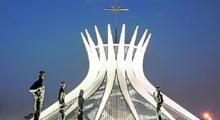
(183, 54)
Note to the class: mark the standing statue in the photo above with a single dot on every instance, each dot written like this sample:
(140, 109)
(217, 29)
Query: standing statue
(38, 90)
(80, 105)
(159, 99)
(61, 99)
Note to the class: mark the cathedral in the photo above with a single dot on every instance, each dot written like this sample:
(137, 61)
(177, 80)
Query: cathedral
(116, 87)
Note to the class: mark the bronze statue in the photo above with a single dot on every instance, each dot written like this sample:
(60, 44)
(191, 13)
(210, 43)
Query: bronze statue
(38, 90)
(159, 99)
(80, 105)
(61, 99)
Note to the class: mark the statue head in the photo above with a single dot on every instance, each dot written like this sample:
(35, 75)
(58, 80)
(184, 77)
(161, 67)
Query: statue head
(158, 89)
(81, 92)
(63, 84)
(42, 74)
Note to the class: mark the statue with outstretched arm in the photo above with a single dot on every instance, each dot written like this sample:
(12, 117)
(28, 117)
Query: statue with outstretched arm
(38, 90)
(159, 100)
(61, 99)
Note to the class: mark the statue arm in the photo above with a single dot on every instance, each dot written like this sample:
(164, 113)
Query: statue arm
(40, 88)
(33, 90)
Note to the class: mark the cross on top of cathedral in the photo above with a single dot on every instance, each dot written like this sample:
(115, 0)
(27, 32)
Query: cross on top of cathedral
(116, 10)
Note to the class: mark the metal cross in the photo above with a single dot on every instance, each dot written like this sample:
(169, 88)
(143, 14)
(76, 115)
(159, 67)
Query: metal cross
(116, 10)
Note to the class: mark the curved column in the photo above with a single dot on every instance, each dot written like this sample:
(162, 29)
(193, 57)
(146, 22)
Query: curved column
(101, 72)
(131, 47)
(140, 89)
(102, 54)
(137, 63)
(92, 73)
(121, 74)
(108, 89)
(91, 90)
(111, 67)
(138, 68)
(124, 89)
(169, 102)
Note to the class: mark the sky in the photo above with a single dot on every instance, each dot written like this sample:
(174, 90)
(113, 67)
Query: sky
(182, 57)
